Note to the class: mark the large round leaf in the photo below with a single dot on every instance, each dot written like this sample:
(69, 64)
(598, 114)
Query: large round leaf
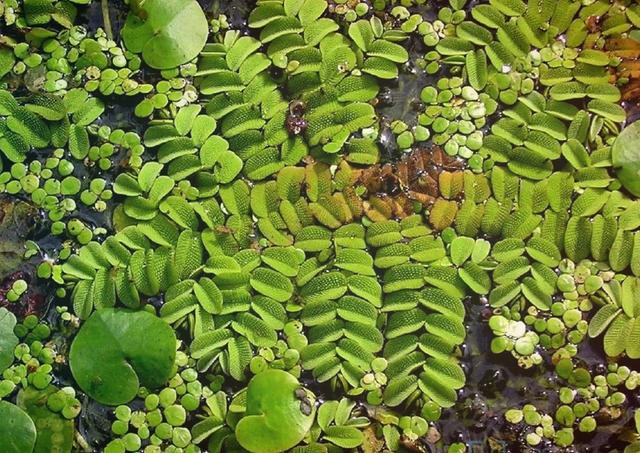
(17, 431)
(274, 420)
(626, 156)
(116, 351)
(167, 32)
(8, 340)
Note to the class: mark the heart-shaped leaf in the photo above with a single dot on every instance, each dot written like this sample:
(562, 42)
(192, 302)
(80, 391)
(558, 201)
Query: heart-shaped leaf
(626, 156)
(168, 33)
(8, 340)
(17, 431)
(275, 419)
(116, 351)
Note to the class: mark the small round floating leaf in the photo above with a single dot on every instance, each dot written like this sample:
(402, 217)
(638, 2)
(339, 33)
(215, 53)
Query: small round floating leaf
(274, 420)
(157, 29)
(55, 431)
(116, 351)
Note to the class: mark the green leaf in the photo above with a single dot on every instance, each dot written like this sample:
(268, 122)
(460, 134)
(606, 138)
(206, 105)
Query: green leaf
(208, 295)
(156, 29)
(49, 107)
(274, 421)
(503, 294)
(8, 340)
(344, 436)
(399, 389)
(543, 251)
(258, 332)
(7, 60)
(17, 431)
(633, 340)
(184, 118)
(228, 167)
(88, 112)
(362, 34)
(356, 261)
(474, 33)
(116, 351)
(440, 393)
(311, 11)
(476, 278)
(461, 249)
(607, 110)
(601, 320)
(388, 50)
(615, 339)
(535, 294)
(476, 67)
(55, 432)
(210, 341)
(331, 285)
(447, 279)
(625, 155)
(79, 143)
(272, 284)
(30, 127)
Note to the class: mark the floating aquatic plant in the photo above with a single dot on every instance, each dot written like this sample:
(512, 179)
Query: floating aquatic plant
(111, 370)
(293, 236)
(155, 29)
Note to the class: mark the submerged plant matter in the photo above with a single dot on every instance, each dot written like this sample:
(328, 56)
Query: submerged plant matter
(312, 227)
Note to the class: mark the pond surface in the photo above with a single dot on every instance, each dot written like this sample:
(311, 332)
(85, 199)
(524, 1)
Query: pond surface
(494, 382)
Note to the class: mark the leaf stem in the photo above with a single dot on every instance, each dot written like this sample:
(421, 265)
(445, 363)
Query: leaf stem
(106, 19)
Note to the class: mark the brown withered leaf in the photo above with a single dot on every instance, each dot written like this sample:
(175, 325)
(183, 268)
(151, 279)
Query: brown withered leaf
(392, 189)
(628, 50)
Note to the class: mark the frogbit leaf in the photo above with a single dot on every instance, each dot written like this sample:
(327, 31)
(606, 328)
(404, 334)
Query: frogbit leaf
(116, 351)
(626, 157)
(167, 34)
(17, 430)
(275, 419)
(8, 340)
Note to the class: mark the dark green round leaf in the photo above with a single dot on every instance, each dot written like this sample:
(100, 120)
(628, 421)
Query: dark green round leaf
(626, 156)
(8, 340)
(17, 431)
(168, 33)
(116, 351)
(274, 420)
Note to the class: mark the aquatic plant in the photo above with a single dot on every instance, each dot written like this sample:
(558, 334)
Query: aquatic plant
(617, 318)
(19, 432)
(154, 28)
(285, 233)
(109, 369)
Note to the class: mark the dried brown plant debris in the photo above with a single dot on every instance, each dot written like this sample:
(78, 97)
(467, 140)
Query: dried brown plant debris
(393, 189)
